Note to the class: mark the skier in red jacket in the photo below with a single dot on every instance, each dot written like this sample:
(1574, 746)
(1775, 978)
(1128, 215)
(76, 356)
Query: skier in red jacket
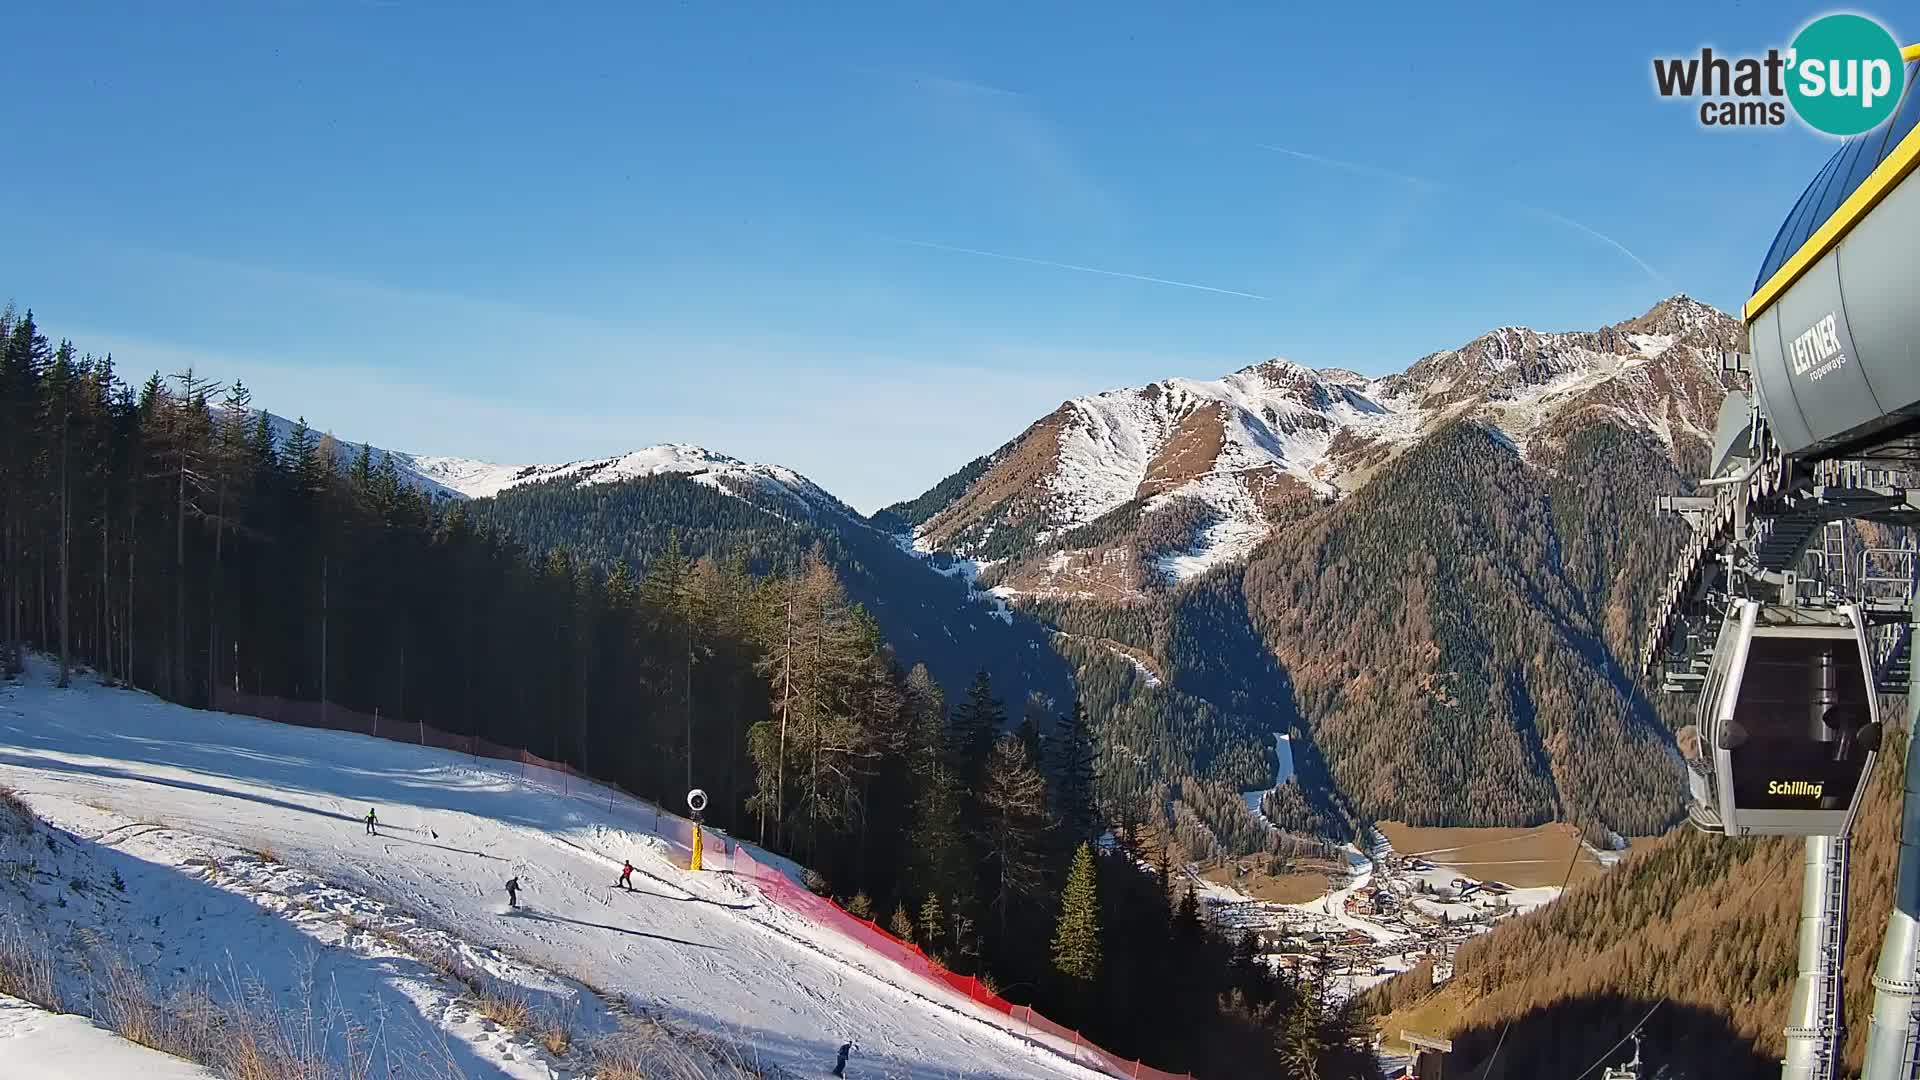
(626, 876)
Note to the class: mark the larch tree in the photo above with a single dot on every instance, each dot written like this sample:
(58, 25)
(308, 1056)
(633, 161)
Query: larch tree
(1015, 829)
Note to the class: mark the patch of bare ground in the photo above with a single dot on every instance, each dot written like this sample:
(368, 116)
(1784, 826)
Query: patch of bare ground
(1134, 653)
(1193, 449)
(1106, 574)
(1307, 879)
(1521, 857)
(1014, 488)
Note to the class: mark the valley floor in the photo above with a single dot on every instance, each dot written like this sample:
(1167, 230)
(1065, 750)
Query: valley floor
(244, 858)
(1392, 908)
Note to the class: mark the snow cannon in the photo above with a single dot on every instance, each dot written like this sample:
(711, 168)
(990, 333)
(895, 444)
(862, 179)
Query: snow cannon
(1788, 723)
(696, 802)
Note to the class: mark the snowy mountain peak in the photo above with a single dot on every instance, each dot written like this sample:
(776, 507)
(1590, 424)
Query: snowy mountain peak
(1218, 461)
(722, 472)
(447, 477)
(1677, 316)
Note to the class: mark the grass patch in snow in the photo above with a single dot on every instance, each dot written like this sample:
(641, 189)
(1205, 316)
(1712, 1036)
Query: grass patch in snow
(241, 1033)
(16, 817)
(507, 1008)
(645, 1050)
(26, 967)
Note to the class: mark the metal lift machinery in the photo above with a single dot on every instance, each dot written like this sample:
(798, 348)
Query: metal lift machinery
(1788, 629)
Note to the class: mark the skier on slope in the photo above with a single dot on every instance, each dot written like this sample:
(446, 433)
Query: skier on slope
(513, 892)
(840, 1067)
(626, 876)
(371, 822)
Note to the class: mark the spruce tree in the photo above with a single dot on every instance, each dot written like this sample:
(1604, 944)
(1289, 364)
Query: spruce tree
(1076, 936)
(1070, 770)
(976, 726)
(1301, 1040)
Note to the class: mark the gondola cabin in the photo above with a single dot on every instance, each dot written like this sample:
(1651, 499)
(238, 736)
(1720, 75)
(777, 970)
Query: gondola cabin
(1788, 723)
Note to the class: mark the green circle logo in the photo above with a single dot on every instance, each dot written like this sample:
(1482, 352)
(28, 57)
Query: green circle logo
(1846, 74)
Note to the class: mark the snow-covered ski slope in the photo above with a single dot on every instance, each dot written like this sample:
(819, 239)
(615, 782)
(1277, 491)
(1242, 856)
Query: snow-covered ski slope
(35, 1042)
(704, 951)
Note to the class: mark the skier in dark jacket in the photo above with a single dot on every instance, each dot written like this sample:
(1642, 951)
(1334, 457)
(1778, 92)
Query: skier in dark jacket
(513, 892)
(371, 822)
(840, 1067)
(626, 876)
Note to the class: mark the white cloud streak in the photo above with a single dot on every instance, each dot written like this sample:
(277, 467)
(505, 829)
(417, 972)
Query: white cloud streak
(1075, 267)
(1511, 204)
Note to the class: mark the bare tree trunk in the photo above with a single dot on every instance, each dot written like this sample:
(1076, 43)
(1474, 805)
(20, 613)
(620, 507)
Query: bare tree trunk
(106, 588)
(133, 522)
(66, 661)
(323, 639)
(686, 693)
(178, 676)
(213, 588)
(813, 777)
(733, 759)
(6, 593)
(786, 711)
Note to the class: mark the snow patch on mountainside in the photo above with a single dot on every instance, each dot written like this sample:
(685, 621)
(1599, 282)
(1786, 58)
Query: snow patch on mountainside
(1223, 542)
(946, 564)
(1278, 415)
(463, 476)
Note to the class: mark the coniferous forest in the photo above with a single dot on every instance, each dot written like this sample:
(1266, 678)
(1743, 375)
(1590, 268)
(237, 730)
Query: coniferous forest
(157, 532)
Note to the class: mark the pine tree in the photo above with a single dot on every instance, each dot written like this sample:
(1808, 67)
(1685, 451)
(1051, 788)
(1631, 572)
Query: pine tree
(901, 925)
(1076, 936)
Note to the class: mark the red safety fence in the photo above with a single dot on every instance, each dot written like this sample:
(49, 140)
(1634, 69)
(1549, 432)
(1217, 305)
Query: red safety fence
(779, 886)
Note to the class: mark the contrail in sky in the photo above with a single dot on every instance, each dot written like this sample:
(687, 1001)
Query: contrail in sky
(1071, 266)
(1350, 166)
(1597, 235)
(1371, 170)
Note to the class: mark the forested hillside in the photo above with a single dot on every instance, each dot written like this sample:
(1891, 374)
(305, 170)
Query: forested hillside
(1448, 641)
(1440, 572)
(1702, 926)
(926, 617)
(164, 537)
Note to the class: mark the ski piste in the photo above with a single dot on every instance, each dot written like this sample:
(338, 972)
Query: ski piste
(716, 958)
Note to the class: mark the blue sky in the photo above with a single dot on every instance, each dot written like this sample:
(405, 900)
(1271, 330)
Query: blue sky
(487, 231)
